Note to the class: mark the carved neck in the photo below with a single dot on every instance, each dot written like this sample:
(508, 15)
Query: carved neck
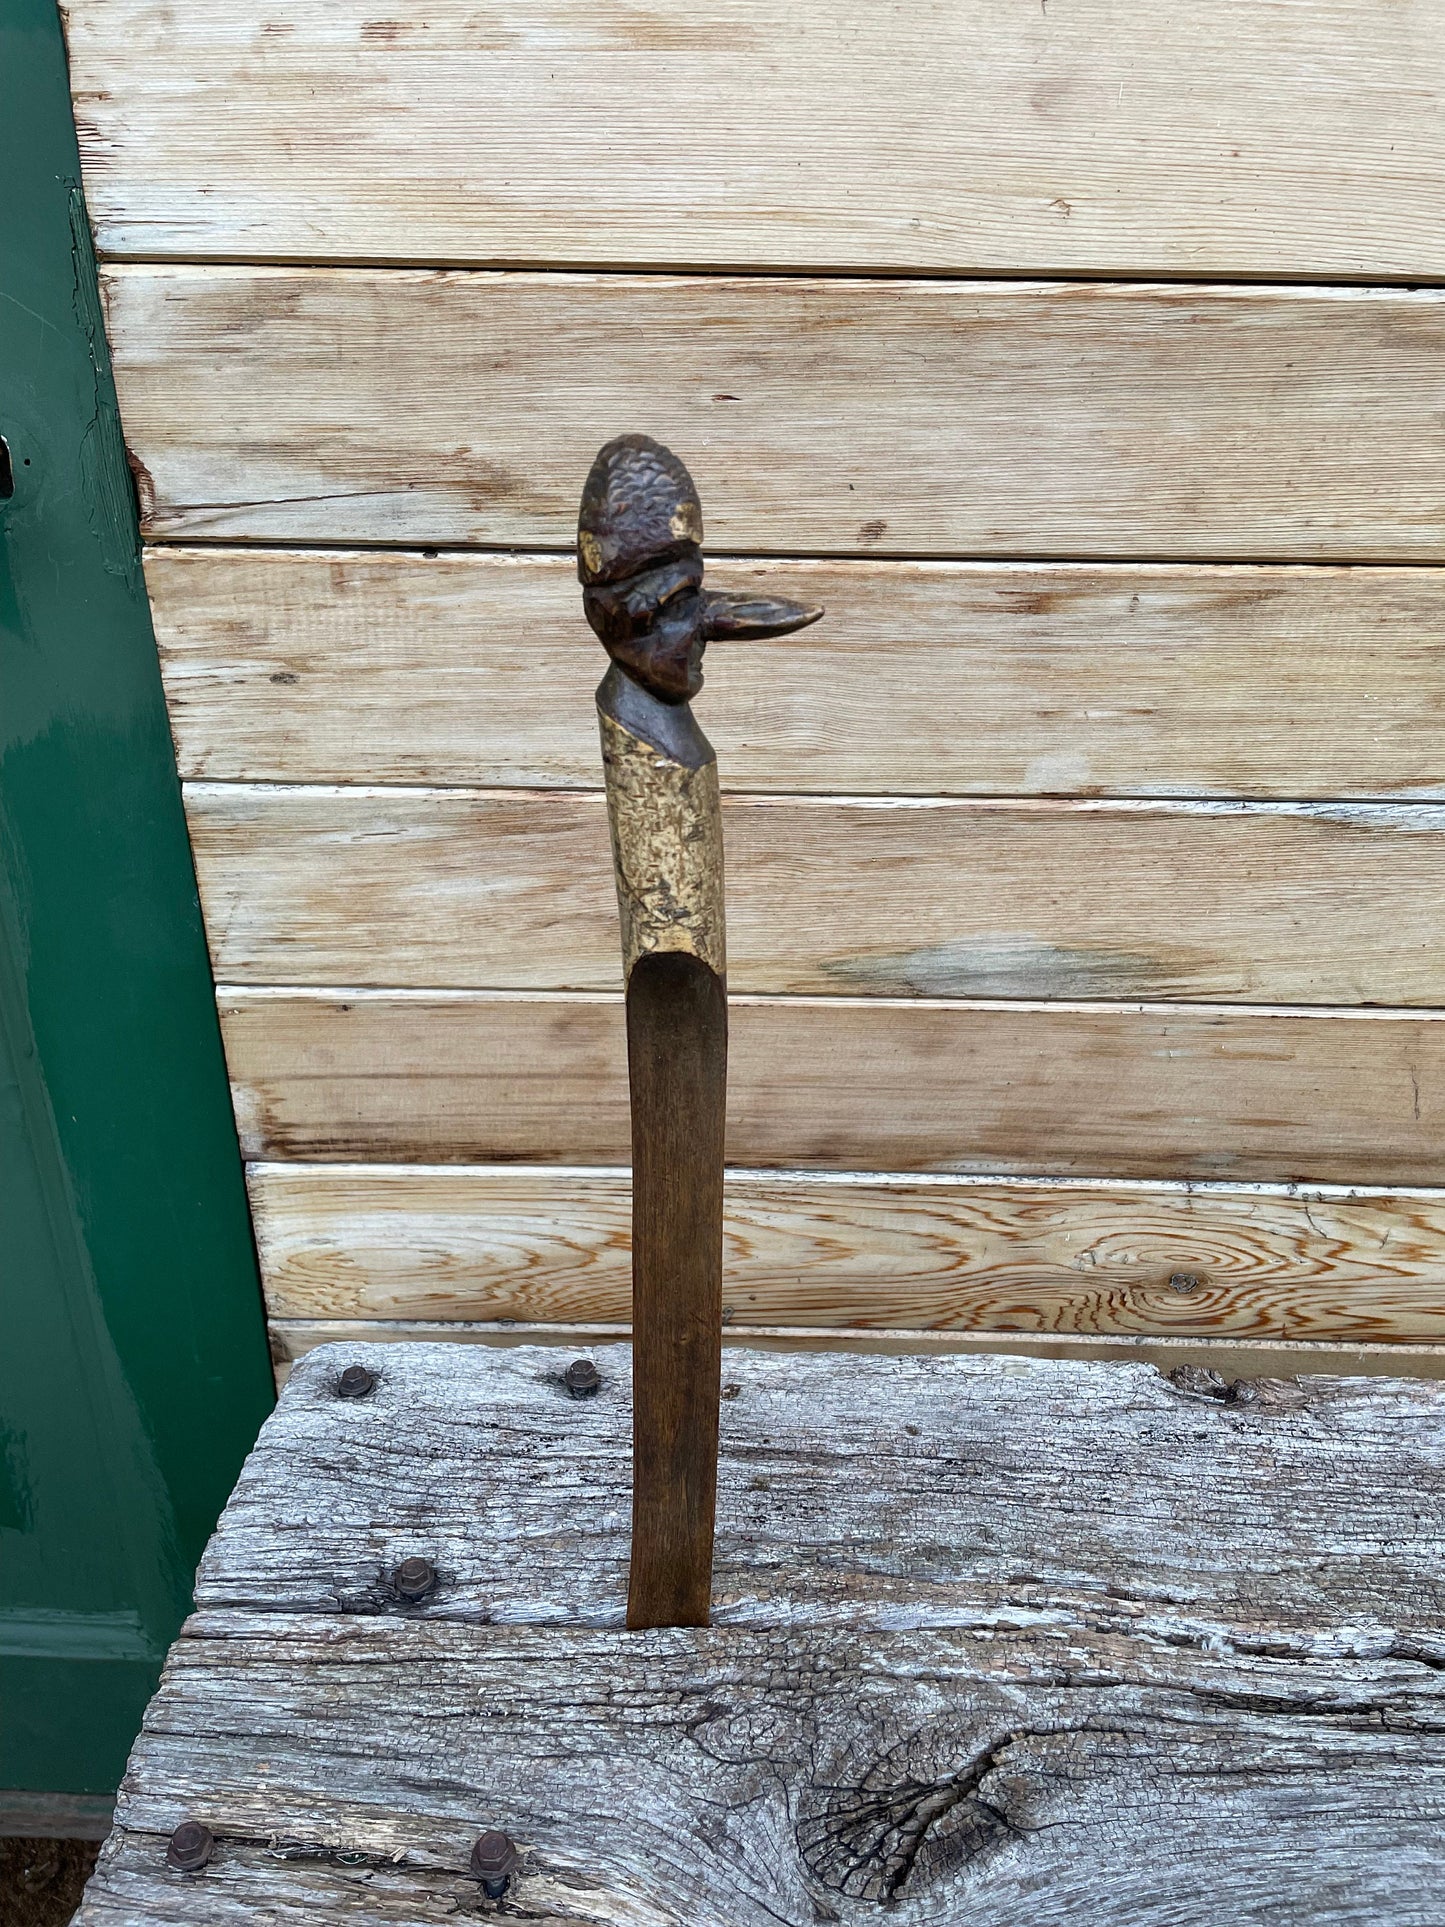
(670, 728)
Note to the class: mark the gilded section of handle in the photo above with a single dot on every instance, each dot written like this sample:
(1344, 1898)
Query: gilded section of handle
(667, 850)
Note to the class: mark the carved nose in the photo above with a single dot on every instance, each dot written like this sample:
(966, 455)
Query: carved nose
(725, 615)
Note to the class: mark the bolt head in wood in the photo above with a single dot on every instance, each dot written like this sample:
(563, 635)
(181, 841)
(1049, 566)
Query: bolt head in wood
(582, 1378)
(414, 1578)
(494, 1860)
(355, 1382)
(190, 1847)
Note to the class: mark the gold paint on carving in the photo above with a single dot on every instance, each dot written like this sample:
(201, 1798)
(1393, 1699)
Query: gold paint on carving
(667, 849)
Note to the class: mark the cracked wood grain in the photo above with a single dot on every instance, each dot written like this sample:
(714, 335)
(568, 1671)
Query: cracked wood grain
(1003, 1640)
(750, 1779)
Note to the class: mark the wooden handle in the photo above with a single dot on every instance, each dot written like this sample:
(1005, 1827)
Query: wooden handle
(667, 849)
(640, 562)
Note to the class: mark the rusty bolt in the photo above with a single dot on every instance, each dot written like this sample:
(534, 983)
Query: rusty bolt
(494, 1861)
(355, 1382)
(582, 1378)
(414, 1578)
(1184, 1282)
(191, 1846)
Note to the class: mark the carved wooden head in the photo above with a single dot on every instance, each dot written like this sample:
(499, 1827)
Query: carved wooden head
(639, 559)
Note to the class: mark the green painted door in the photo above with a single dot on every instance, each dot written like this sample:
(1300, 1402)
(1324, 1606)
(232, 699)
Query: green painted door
(133, 1369)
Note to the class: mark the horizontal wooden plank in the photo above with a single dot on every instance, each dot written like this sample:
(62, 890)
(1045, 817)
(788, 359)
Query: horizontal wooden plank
(774, 1779)
(504, 889)
(853, 1085)
(1230, 1359)
(463, 1454)
(1001, 678)
(538, 1246)
(1195, 1749)
(825, 415)
(1245, 137)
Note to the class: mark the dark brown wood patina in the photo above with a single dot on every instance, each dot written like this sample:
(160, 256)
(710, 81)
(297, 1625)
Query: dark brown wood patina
(639, 557)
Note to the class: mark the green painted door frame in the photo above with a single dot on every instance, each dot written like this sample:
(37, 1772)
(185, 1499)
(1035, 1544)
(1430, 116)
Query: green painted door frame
(133, 1366)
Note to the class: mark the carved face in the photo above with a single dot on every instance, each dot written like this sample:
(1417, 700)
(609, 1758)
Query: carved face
(651, 623)
(639, 559)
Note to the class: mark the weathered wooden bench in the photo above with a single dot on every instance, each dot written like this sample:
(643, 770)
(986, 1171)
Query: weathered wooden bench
(997, 1641)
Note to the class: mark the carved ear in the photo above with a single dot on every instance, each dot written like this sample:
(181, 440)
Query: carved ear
(726, 615)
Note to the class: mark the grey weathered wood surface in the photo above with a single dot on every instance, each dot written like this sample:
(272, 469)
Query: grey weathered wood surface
(292, 1338)
(998, 1640)
(1028, 1488)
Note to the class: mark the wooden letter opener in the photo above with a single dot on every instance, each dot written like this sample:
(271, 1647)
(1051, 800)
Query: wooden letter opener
(639, 557)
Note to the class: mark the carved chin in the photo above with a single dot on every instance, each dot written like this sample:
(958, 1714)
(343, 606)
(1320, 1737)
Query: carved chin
(674, 675)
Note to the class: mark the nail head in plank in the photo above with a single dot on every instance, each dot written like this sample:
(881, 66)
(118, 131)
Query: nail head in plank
(461, 1453)
(748, 1779)
(293, 1338)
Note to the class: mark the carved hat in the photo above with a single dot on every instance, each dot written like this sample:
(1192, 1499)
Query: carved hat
(639, 508)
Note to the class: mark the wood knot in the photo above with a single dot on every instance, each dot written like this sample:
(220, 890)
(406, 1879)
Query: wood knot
(867, 1837)
(1198, 1381)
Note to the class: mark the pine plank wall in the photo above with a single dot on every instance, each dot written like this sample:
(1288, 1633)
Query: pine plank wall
(1087, 359)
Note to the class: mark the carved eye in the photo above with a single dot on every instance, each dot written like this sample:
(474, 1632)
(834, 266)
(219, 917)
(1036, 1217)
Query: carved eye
(682, 589)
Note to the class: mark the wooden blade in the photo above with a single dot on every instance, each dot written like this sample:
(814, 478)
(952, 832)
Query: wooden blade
(677, 1061)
